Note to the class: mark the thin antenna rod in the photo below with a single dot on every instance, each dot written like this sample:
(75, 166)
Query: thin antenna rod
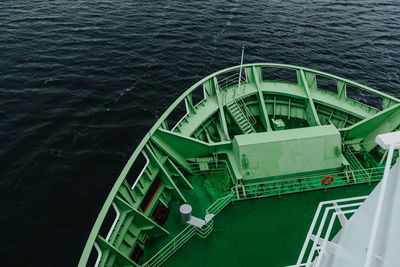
(240, 72)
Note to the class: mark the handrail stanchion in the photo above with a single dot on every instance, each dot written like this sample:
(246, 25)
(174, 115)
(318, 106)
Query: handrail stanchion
(375, 224)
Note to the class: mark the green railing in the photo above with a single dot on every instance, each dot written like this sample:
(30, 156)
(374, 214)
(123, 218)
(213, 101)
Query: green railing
(231, 81)
(215, 168)
(306, 183)
(187, 233)
(253, 74)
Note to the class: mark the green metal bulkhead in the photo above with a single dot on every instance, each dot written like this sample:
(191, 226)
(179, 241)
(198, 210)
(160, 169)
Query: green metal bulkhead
(270, 155)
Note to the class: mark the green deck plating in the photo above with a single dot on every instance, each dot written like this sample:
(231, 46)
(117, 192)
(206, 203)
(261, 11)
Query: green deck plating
(262, 138)
(264, 232)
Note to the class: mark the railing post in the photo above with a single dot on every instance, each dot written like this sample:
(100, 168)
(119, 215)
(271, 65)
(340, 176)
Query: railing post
(377, 216)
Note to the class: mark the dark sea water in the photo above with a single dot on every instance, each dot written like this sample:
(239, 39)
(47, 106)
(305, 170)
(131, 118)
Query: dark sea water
(81, 82)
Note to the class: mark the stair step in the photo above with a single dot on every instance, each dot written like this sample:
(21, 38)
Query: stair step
(236, 115)
(240, 118)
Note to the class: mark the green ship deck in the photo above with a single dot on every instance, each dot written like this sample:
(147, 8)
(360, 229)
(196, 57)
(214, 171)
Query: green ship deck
(263, 232)
(256, 146)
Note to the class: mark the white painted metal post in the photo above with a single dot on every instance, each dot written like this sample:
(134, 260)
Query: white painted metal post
(240, 72)
(322, 224)
(375, 224)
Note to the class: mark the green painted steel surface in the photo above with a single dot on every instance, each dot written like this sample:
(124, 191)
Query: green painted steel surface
(283, 153)
(195, 159)
(262, 232)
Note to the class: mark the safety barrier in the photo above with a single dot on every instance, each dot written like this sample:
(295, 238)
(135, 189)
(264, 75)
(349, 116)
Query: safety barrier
(318, 237)
(306, 183)
(187, 233)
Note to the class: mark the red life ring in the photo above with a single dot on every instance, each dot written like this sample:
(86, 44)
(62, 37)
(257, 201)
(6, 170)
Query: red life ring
(330, 177)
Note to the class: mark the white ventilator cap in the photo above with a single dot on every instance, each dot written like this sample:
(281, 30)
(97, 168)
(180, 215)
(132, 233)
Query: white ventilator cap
(186, 212)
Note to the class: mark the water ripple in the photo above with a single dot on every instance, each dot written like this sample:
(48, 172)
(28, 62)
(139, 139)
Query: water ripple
(83, 81)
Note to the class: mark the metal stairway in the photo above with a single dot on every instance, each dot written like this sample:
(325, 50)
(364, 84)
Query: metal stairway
(244, 122)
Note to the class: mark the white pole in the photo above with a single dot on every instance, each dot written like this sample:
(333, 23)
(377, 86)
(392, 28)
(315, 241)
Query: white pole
(240, 72)
(378, 210)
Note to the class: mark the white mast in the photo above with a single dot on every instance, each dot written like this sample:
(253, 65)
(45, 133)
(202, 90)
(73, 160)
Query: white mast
(240, 72)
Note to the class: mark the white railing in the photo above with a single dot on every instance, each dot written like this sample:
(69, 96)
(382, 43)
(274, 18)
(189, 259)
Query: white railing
(319, 245)
(231, 80)
(205, 230)
(187, 233)
(219, 204)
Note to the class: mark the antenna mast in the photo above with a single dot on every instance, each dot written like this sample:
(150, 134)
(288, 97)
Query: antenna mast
(240, 72)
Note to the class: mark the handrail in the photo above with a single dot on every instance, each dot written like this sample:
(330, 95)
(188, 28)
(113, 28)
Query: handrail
(187, 233)
(178, 241)
(216, 167)
(333, 205)
(107, 204)
(228, 81)
(219, 204)
(313, 182)
(333, 173)
(245, 109)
